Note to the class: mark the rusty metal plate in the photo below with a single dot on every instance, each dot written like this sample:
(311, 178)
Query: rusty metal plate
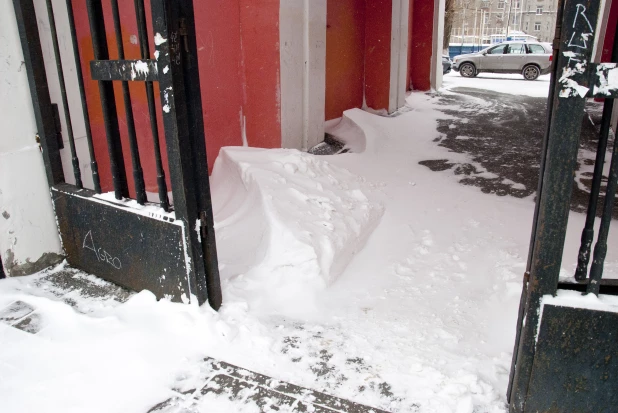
(576, 363)
(136, 251)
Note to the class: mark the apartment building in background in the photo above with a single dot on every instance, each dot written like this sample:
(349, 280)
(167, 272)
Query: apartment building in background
(490, 21)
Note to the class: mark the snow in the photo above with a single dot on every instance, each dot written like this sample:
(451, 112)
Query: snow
(159, 40)
(150, 210)
(365, 275)
(288, 220)
(81, 363)
(575, 299)
(513, 84)
(140, 68)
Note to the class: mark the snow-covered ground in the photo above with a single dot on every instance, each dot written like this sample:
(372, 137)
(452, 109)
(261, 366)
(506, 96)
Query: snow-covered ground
(422, 318)
(514, 84)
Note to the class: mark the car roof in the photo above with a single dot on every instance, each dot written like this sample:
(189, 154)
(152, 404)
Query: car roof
(518, 41)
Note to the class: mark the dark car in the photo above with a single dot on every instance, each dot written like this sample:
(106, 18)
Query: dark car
(531, 59)
(446, 64)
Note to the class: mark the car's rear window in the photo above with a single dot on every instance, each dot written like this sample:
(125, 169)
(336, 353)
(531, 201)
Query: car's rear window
(536, 49)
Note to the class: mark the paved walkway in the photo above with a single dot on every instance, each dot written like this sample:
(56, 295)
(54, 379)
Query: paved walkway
(264, 392)
(502, 135)
(219, 379)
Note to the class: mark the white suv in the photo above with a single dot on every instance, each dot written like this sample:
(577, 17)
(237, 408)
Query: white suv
(529, 59)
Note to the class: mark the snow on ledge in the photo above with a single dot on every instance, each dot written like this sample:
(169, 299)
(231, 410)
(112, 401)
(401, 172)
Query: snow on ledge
(575, 299)
(149, 210)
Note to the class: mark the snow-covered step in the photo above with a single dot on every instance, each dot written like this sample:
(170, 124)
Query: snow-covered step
(229, 387)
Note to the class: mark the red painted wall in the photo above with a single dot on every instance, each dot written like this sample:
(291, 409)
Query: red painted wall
(421, 44)
(238, 52)
(218, 44)
(259, 31)
(610, 32)
(345, 56)
(378, 23)
(358, 41)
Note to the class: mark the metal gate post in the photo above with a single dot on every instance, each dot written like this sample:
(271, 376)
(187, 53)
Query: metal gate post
(578, 28)
(39, 91)
(180, 123)
(198, 141)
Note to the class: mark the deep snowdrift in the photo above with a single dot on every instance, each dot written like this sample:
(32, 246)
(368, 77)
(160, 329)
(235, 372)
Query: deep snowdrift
(287, 220)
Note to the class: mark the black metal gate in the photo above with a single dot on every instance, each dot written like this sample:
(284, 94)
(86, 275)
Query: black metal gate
(565, 359)
(167, 249)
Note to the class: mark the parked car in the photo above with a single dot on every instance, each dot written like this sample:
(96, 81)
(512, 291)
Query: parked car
(446, 64)
(531, 59)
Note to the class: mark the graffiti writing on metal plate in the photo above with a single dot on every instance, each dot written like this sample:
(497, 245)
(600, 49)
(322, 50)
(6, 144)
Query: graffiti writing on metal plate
(582, 42)
(101, 254)
(175, 48)
(578, 54)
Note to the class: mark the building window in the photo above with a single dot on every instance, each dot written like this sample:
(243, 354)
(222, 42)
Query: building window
(501, 4)
(537, 26)
(539, 9)
(515, 19)
(517, 4)
(526, 29)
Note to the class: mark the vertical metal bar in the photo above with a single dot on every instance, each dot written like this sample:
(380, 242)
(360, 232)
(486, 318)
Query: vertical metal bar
(145, 54)
(583, 257)
(82, 93)
(539, 190)
(579, 19)
(588, 232)
(550, 107)
(108, 102)
(198, 142)
(63, 92)
(39, 91)
(600, 248)
(166, 25)
(138, 173)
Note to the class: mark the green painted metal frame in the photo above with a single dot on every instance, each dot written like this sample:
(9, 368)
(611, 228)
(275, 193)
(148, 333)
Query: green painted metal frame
(574, 78)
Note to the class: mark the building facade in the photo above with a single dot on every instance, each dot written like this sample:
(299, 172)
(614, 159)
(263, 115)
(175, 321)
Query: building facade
(488, 21)
(539, 19)
(272, 74)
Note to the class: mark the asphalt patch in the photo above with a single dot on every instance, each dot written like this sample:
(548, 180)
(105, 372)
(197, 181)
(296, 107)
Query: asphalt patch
(502, 136)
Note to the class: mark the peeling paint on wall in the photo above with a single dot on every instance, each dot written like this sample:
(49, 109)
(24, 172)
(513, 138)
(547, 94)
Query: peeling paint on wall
(15, 268)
